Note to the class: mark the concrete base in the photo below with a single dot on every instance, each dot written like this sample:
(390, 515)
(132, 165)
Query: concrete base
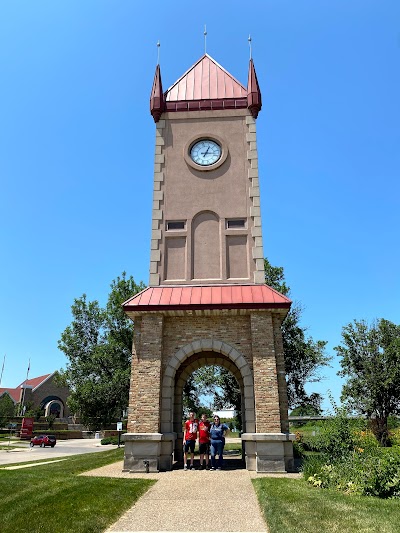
(269, 452)
(148, 452)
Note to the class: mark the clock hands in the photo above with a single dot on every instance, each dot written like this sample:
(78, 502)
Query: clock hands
(206, 152)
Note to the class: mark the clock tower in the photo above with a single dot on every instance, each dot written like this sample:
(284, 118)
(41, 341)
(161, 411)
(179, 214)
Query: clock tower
(207, 302)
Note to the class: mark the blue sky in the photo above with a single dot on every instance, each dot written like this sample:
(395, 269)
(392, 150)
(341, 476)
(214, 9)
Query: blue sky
(77, 144)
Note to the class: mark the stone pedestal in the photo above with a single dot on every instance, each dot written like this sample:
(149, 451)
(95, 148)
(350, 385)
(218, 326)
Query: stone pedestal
(148, 452)
(269, 452)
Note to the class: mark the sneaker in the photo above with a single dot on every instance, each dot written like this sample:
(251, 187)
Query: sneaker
(207, 467)
(201, 467)
(185, 467)
(191, 467)
(219, 468)
(212, 468)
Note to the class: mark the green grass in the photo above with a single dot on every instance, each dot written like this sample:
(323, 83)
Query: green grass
(53, 498)
(293, 505)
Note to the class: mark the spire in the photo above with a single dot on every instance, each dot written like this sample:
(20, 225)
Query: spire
(253, 91)
(157, 103)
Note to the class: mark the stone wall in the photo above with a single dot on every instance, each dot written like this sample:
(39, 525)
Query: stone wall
(256, 336)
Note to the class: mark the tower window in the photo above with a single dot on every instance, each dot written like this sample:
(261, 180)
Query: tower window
(176, 225)
(236, 223)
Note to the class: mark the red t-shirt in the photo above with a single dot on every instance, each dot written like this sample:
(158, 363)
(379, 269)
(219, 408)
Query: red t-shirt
(191, 428)
(204, 431)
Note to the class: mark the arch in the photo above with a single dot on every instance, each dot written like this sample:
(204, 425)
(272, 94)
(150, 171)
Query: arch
(54, 407)
(200, 352)
(206, 246)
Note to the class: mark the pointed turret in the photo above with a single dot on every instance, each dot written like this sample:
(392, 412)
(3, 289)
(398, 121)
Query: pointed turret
(253, 91)
(157, 103)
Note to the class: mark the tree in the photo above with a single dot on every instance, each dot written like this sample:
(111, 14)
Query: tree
(370, 360)
(7, 409)
(98, 346)
(303, 356)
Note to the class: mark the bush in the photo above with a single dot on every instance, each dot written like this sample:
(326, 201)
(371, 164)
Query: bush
(110, 440)
(373, 472)
(335, 438)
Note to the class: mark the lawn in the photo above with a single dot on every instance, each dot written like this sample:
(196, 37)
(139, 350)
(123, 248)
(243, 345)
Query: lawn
(53, 498)
(293, 505)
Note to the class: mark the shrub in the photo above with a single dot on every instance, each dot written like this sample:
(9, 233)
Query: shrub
(375, 472)
(110, 440)
(335, 439)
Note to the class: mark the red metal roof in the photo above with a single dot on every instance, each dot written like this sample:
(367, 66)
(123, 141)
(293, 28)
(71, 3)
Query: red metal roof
(183, 297)
(205, 80)
(206, 85)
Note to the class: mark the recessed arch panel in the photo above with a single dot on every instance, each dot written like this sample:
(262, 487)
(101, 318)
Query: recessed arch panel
(206, 246)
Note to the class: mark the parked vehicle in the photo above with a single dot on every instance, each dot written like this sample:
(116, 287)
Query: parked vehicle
(44, 440)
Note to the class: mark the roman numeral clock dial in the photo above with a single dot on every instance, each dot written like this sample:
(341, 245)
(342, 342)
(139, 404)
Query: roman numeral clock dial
(205, 152)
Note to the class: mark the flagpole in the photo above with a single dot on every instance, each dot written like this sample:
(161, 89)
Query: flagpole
(2, 369)
(23, 392)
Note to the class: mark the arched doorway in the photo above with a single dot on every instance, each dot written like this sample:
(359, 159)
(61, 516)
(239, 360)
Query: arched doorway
(183, 363)
(185, 371)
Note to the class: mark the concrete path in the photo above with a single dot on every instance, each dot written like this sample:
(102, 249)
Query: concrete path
(194, 500)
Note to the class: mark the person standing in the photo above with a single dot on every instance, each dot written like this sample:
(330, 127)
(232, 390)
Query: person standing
(204, 441)
(217, 437)
(189, 440)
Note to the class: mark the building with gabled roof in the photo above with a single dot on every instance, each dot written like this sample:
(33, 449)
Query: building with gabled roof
(43, 392)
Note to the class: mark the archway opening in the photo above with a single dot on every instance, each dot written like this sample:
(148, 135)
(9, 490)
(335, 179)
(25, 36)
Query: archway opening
(202, 384)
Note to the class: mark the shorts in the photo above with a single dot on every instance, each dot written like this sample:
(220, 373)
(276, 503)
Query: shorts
(204, 448)
(189, 445)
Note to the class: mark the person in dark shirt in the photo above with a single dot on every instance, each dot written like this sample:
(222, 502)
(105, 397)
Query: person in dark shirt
(217, 437)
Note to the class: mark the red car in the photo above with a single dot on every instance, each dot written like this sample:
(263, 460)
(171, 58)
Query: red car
(44, 440)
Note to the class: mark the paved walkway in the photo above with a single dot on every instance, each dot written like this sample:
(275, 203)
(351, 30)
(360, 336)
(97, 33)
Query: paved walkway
(195, 500)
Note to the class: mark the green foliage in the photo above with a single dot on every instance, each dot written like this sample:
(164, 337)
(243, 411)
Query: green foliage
(50, 421)
(370, 360)
(7, 409)
(303, 356)
(111, 440)
(307, 409)
(98, 346)
(372, 472)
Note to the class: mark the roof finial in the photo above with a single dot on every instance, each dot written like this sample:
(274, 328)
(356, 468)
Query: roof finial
(249, 39)
(205, 39)
(158, 52)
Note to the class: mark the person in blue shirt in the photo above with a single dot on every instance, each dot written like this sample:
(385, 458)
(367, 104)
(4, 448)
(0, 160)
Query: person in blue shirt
(217, 438)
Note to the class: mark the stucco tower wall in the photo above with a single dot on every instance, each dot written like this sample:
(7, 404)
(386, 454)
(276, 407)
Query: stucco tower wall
(182, 192)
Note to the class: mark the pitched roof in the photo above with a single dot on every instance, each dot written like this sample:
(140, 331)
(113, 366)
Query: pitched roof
(205, 80)
(193, 297)
(13, 393)
(35, 382)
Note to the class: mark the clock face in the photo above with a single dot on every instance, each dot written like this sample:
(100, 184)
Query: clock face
(205, 152)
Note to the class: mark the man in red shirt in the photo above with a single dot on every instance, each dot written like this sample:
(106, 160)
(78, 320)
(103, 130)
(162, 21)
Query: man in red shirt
(204, 441)
(189, 439)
